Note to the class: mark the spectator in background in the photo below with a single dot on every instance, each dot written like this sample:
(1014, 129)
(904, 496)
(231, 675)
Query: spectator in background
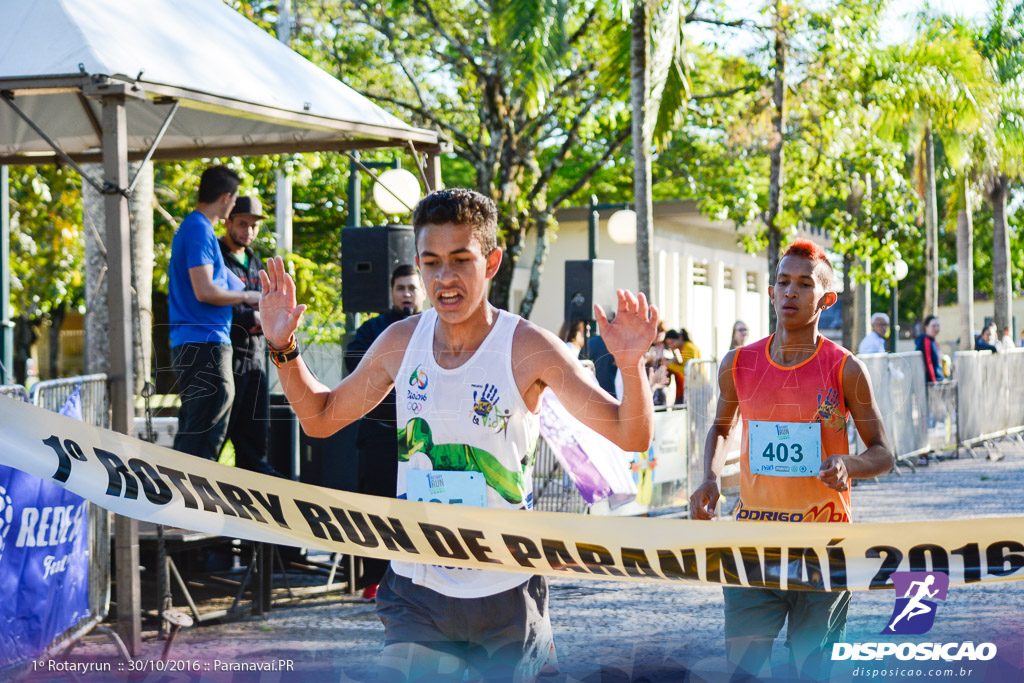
(377, 441)
(685, 350)
(1007, 340)
(201, 292)
(248, 426)
(573, 333)
(874, 341)
(1022, 338)
(984, 341)
(673, 343)
(657, 365)
(739, 335)
(927, 345)
(605, 369)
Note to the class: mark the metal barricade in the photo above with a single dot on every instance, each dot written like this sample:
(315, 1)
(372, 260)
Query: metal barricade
(877, 366)
(902, 398)
(15, 391)
(943, 401)
(981, 376)
(700, 391)
(553, 490)
(53, 393)
(1014, 360)
(95, 402)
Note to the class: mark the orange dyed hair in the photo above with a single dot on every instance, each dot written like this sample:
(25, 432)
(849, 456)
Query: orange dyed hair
(804, 248)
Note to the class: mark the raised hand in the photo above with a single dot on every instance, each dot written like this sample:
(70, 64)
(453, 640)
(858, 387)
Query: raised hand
(279, 314)
(630, 334)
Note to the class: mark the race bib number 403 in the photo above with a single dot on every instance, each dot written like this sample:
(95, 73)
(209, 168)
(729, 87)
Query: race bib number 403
(785, 449)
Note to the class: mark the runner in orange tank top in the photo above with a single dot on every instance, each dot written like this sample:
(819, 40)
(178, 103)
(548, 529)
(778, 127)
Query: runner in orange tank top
(792, 392)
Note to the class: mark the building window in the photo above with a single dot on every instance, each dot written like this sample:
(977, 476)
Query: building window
(700, 273)
(751, 281)
(727, 279)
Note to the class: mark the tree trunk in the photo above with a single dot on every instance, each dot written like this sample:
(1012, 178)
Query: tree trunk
(638, 95)
(848, 299)
(777, 176)
(57, 316)
(862, 305)
(97, 318)
(501, 286)
(1002, 283)
(140, 208)
(540, 257)
(24, 337)
(931, 229)
(965, 268)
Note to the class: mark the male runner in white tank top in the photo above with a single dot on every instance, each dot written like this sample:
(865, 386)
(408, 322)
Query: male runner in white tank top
(470, 378)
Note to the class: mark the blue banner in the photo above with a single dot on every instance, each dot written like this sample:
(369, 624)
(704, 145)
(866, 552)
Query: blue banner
(44, 560)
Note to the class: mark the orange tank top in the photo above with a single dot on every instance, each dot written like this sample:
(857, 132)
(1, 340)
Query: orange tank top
(811, 391)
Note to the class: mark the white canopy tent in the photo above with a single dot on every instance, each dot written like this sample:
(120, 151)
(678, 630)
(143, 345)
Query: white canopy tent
(241, 91)
(117, 80)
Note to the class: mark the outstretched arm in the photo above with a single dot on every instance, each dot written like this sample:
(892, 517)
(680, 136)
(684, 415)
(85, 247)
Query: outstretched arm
(320, 410)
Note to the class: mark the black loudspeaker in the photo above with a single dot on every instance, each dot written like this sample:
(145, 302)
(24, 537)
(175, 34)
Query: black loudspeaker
(587, 283)
(368, 257)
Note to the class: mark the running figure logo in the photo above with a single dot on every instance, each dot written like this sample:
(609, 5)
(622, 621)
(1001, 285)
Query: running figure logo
(914, 611)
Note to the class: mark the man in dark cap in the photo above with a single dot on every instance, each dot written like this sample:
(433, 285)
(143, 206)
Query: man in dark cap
(250, 412)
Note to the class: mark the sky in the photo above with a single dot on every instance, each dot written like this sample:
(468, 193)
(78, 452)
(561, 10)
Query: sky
(898, 25)
(901, 25)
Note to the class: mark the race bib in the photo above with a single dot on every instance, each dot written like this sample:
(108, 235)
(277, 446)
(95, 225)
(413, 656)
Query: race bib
(785, 449)
(442, 486)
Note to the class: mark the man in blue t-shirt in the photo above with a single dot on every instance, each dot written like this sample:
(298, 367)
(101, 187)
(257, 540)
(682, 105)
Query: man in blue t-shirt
(201, 293)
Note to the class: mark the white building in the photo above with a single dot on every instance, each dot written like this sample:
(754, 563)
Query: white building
(703, 279)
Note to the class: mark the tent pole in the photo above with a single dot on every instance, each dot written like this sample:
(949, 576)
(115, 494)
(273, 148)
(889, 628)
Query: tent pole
(432, 160)
(6, 324)
(119, 297)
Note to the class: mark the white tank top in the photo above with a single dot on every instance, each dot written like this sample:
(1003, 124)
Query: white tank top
(467, 419)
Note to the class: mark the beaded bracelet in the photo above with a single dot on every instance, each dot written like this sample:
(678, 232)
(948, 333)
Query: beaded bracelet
(281, 356)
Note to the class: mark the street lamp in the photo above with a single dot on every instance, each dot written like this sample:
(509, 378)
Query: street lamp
(622, 226)
(369, 254)
(900, 270)
(396, 192)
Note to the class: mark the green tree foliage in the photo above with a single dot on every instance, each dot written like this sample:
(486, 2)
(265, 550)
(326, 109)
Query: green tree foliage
(47, 254)
(318, 194)
(47, 247)
(517, 86)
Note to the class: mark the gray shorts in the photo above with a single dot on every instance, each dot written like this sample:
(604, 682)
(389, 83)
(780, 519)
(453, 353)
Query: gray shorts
(506, 635)
(816, 619)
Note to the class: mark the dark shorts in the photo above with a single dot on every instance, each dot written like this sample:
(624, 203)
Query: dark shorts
(816, 619)
(506, 635)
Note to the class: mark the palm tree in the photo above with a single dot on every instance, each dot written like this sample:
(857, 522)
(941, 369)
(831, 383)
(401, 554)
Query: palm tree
(777, 171)
(1002, 46)
(937, 85)
(658, 91)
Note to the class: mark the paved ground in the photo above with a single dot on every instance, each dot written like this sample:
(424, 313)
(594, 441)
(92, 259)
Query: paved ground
(623, 632)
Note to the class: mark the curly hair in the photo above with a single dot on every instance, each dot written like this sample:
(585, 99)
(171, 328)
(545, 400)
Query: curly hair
(459, 206)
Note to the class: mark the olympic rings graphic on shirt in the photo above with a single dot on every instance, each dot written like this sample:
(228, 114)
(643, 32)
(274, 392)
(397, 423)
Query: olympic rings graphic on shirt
(414, 407)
